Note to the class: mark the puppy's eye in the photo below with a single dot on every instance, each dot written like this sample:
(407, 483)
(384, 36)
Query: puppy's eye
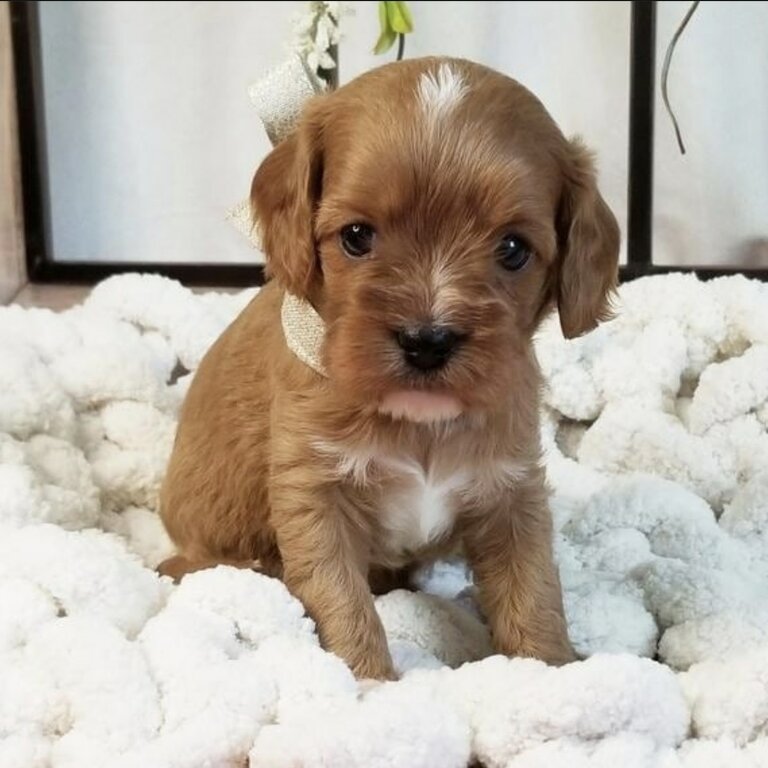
(357, 239)
(513, 252)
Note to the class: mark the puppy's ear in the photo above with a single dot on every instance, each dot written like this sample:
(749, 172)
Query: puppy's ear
(284, 195)
(589, 247)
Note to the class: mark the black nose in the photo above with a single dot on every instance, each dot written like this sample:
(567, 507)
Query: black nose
(429, 347)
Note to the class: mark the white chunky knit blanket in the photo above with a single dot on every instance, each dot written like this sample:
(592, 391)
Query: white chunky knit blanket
(657, 451)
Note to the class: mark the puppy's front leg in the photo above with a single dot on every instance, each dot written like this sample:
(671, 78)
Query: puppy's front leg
(509, 546)
(324, 567)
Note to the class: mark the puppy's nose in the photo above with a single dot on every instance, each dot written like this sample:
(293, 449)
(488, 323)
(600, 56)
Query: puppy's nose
(429, 347)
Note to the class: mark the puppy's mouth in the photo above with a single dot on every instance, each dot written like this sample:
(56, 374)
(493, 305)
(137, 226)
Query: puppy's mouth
(420, 406)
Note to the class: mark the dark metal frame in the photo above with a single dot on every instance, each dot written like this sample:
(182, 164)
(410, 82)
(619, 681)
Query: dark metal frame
(642, 95)
(41, 267)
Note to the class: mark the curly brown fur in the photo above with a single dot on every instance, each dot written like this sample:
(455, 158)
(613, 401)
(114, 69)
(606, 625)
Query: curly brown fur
(330, 482)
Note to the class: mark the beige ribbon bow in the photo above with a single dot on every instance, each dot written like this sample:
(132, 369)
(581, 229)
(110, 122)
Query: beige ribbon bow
(279, 97)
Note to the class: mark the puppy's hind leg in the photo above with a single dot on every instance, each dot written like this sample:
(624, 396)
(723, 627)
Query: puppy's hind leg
(179, 566)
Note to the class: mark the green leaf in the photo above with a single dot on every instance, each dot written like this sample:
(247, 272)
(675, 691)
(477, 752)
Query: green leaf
(383, 21)
(394, 19)
(386, 41)
(400, 19)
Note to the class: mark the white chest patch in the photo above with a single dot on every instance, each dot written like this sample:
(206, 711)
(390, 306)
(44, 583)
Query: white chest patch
(414, 507)
(421, 510)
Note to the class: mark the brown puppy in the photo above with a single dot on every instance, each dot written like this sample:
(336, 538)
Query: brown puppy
(377, 403)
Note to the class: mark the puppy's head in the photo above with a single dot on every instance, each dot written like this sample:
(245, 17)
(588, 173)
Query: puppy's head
(433, 213)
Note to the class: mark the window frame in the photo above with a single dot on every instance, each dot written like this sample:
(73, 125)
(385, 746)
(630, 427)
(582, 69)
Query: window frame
(43, 268)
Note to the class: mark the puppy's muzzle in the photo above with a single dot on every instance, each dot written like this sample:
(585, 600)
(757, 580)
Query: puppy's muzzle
(429, 347)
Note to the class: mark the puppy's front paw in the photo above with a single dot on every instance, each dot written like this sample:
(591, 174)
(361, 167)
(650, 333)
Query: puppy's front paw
(556, 657)
(561, 656)
(373, 671)
(368, 684)
(554, 649)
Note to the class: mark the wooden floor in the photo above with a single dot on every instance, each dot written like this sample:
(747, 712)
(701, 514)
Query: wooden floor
(56, 297)
(61, 297)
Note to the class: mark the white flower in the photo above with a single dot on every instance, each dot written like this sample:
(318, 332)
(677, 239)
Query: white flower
(316, 31)
(336, 9)
(323, 33)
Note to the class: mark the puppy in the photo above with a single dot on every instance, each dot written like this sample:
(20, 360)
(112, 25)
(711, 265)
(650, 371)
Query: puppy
(377, 403)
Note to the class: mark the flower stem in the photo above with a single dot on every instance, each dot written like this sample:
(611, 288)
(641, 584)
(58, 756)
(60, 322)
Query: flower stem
(400, 46)
(331, 76)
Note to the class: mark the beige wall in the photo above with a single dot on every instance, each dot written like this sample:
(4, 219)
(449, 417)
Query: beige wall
(11, 238)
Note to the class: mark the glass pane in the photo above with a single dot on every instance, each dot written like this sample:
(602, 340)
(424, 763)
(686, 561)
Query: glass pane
(711, 204)
(151, 137)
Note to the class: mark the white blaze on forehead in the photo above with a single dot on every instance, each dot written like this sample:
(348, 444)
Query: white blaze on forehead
(440, 91)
